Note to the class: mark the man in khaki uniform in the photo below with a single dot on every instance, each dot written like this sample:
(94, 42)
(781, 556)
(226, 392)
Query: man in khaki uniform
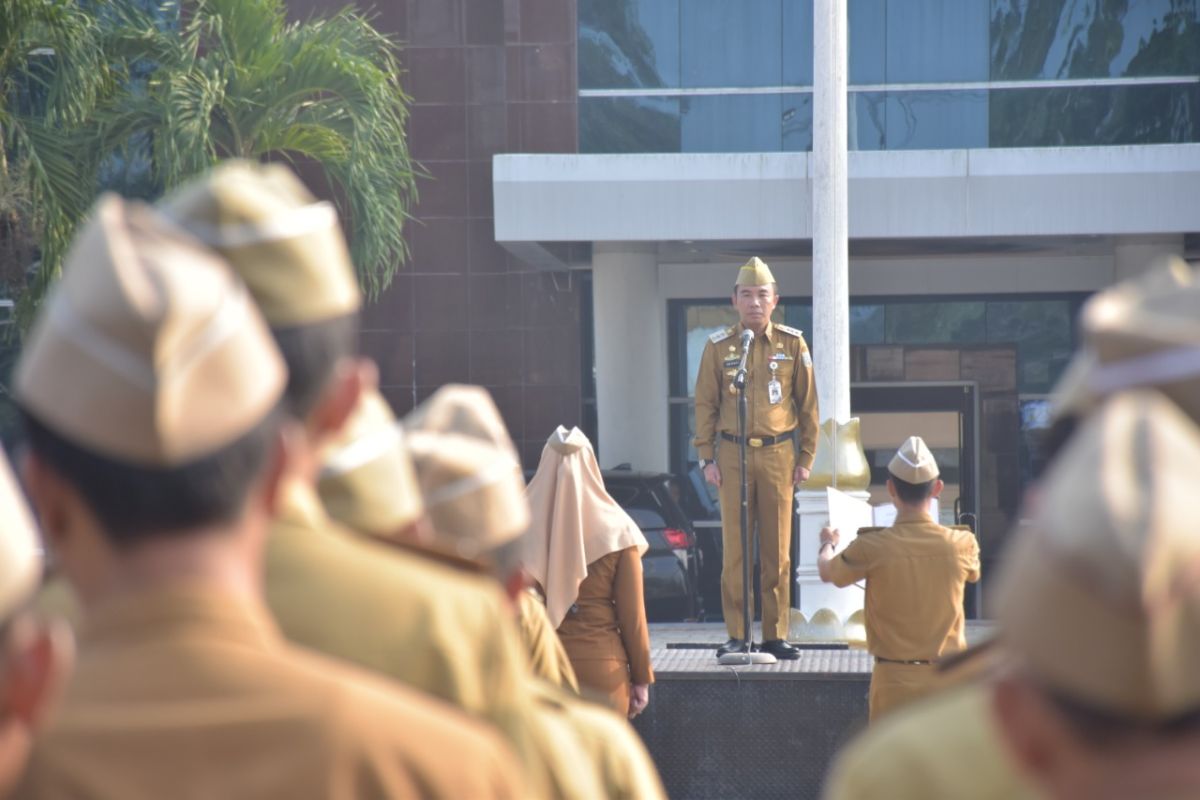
(781, 426)
(36, 654)
(473, 490)
(915, 573)
(1099, 625)
(149, 388)
(419, 622)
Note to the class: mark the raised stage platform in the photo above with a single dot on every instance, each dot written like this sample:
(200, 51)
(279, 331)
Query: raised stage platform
(757, 731)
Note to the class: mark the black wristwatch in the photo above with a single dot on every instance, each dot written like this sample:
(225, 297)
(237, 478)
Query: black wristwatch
(703, 462)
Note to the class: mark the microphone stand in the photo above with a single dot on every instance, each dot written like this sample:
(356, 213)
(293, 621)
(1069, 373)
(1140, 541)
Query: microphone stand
(749, 655)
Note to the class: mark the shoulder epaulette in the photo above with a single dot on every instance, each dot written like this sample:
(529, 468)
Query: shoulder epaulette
(789, 329)
(721, 335)
(873, 529)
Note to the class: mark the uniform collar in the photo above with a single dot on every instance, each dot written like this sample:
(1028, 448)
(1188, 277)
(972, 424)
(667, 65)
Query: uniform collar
(768, 332)
(153, 614)
(904, 515)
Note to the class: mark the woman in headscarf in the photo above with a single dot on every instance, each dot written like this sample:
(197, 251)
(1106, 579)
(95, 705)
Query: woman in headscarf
(586, 555)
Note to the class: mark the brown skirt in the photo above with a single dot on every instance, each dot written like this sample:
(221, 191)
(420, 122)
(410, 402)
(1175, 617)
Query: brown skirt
(604, 678)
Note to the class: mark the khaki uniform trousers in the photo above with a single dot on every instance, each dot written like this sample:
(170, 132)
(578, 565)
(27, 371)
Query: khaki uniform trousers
(896, 685)
(769, 504)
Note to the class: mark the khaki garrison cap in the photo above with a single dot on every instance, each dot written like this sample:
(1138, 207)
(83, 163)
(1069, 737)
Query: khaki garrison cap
(149, 350)
(466, 410)
(367, 481)
(474, 493)
(913, 463)
(1144, 332)
(1099, 594)
(286, 246)
(754, 272)
(20, 557)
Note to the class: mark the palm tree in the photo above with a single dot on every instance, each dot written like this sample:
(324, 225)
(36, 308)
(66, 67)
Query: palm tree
(233, 78)
(52, 75)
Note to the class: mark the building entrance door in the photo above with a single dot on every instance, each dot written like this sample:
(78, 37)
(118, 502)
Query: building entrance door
(946, 416)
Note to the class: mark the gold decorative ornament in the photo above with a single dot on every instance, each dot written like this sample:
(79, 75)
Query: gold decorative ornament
(839, 448)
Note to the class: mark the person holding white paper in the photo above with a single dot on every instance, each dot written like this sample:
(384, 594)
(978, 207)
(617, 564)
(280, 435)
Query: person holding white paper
(915, 571)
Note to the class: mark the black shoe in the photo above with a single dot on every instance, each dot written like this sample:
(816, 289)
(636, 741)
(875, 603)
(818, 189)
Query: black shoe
(732, 646)
(780, 649)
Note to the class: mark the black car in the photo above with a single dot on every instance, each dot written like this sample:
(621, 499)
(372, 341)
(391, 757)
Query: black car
(672, 566)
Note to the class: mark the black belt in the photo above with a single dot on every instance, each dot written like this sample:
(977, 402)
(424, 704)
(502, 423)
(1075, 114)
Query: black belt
(759, 441)
(894, 661)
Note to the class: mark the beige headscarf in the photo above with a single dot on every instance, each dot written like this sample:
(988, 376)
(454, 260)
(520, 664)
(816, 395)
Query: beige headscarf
(575, 521)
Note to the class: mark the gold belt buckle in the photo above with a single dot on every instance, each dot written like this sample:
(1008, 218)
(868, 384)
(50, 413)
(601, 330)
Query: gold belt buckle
(754, 442)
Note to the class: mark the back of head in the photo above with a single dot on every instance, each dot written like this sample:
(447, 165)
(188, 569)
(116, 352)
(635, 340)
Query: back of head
(1098, 597)
(914, 471)
(150, 380)
(290, 251)
(367, 481)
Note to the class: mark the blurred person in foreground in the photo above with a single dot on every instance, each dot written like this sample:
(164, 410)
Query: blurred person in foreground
(332, 589)
(149, 390)
(586, 556)
(916, 571)
(473, 489)
(36, 653)
(1095, 689)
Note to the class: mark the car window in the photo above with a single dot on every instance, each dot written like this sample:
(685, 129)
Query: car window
(646, 519)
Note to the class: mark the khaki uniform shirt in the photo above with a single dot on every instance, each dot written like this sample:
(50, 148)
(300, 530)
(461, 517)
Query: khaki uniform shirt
(947, 747)
(608, 619)
(716, 406)
(189, 692)
(612, 750)
(915, 573)
(547, 658)
(428, 626)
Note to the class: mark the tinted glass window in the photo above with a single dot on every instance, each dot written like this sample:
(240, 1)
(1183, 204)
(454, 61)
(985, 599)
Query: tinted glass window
(731, 123)
(936, 323)
(628, 125)
(931, 41)
(797, 42)
(936, 120)
(727, 43)
(1094, 115)
(628, 44)
(865, 41)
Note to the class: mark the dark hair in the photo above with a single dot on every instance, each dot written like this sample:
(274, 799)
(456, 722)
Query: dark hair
(134, 503)
(311, 352)
(773, 285)
(1100, 728)
(912, 493)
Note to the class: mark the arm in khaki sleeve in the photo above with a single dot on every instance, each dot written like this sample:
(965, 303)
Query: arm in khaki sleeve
(804, 394)
(631, 615)
(708, 402)
(848, 566)
(969, 557)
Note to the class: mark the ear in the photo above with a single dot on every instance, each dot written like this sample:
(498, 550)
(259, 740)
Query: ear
(516, 583)
(938, 485)
(38, 661)
(47, 493)
(1034, 738)
(351, 378)
(891, 489)
(285, 450)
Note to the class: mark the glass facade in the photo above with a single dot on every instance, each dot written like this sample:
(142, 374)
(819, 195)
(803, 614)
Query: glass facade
(705, 75)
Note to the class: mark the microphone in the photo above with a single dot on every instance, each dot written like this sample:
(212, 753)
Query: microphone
(747, 339)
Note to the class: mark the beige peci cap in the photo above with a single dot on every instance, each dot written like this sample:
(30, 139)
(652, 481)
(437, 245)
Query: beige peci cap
(913, 462)
(754, 272)
(20, 555)
(1099, 594)
(149, 350)
(466, 410)
(286, 246)
(1144, 332)
(474, 493)
(367, 481)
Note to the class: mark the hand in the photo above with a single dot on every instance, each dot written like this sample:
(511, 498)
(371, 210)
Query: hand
(712, 474)
(800, 475)
(639, 698)
(830, 536)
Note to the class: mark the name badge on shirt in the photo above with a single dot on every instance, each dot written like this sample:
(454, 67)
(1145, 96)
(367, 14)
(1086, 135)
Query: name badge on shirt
(775, 392)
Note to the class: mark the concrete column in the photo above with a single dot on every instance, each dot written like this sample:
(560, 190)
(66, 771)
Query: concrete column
(1132, 256)
(831, 298)
(631, 358)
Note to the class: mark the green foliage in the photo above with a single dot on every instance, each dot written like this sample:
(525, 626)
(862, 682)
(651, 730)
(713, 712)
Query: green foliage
(235, 79)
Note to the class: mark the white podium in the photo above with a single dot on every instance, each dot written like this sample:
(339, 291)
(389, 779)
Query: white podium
(825, 612)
